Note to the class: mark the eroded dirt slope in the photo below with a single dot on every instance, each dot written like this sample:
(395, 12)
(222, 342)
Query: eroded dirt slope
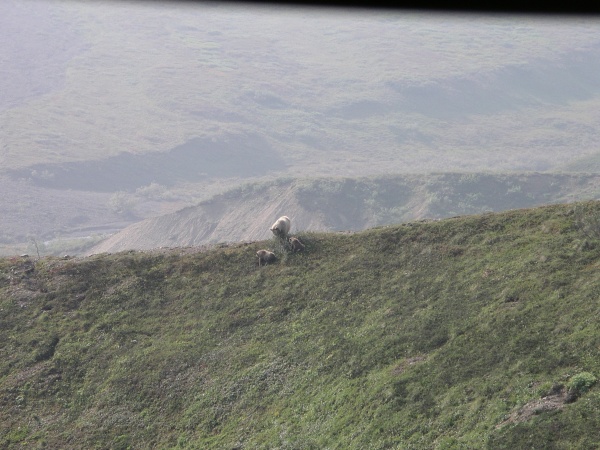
(247, 212)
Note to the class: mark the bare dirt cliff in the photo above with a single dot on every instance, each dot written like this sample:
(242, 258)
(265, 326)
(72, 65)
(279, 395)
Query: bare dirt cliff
(247, 212)
(224, 218)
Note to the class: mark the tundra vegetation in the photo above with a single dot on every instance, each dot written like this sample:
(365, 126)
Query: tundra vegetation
(459, 333)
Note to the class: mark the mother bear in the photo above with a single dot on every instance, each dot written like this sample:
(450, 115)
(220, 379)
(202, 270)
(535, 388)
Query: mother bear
(281, 227)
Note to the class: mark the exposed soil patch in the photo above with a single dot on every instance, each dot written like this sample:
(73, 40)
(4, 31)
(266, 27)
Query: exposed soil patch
(555, 400)
(400, 368)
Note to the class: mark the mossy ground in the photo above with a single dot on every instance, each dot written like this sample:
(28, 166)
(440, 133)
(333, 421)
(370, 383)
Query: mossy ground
(422, 335)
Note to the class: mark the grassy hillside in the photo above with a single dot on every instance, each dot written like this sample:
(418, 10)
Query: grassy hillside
(472, 332)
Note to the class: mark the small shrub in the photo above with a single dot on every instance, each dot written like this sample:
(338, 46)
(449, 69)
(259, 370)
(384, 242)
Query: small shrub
(546, 388)
(580, 383)
(46, 349)
(155, 191)
(122, 203)
(588, 224)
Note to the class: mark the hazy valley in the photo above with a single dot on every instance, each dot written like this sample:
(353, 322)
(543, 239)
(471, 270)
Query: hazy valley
(118, 112)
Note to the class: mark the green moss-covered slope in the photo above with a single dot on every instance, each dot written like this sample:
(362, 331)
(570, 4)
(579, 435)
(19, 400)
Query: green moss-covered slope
(472, 332)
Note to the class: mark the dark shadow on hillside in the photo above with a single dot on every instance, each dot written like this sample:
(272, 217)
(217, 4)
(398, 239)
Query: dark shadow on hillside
(557, 82)
(573, 78)
(241, 156)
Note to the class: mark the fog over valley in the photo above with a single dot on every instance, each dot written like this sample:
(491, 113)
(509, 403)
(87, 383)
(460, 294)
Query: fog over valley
(127, 114)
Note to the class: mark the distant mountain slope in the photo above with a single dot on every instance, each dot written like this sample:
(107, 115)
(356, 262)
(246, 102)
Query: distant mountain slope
(246, 213)
(241, 155)
(33, 64)
(478, 332)
(590, 163)
(331, 93)
(103, 97)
